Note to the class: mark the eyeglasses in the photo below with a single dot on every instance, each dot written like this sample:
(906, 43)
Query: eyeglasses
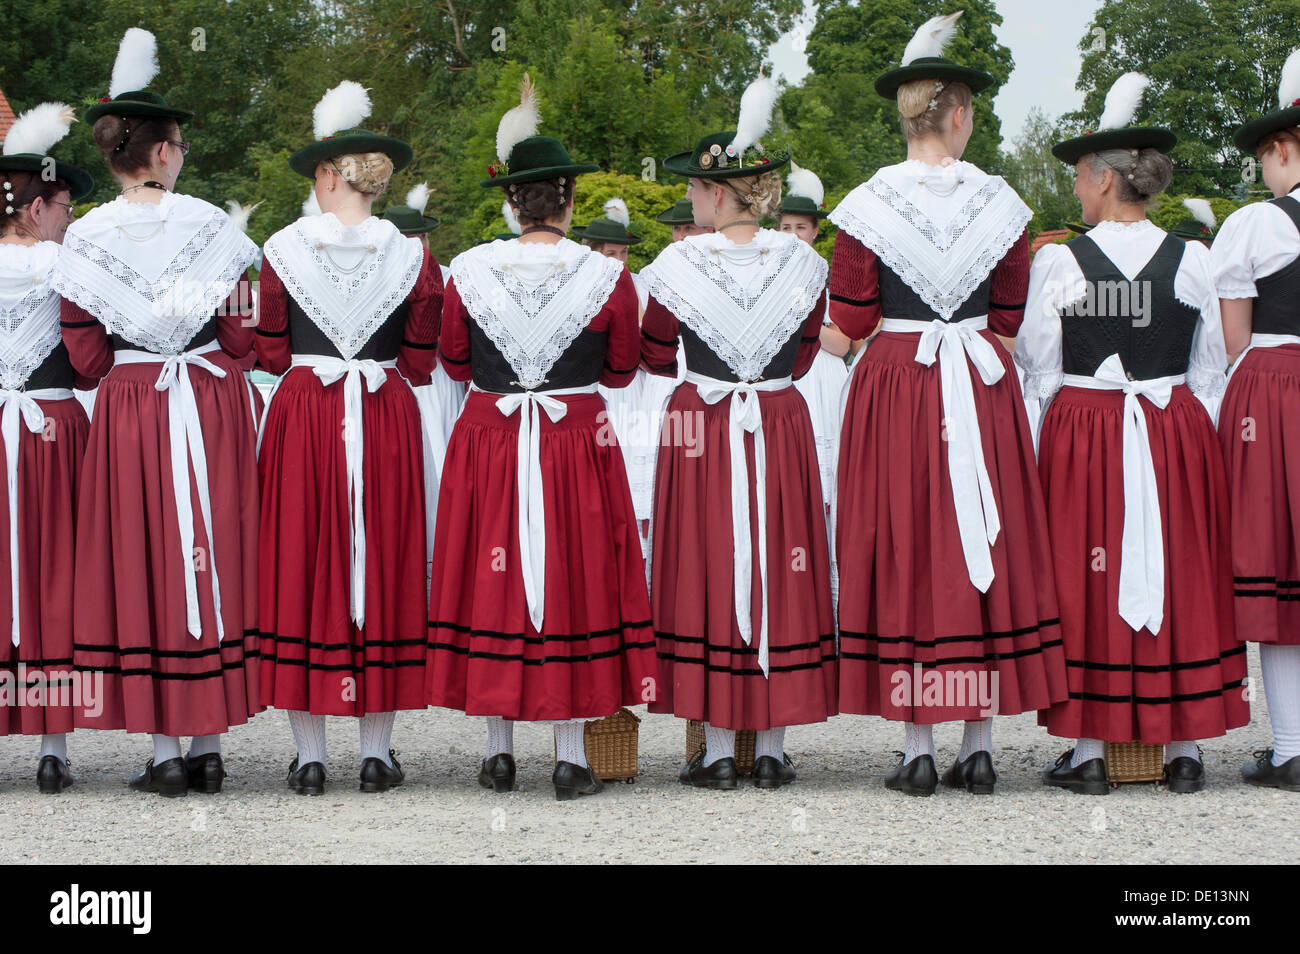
(182, 145)
(67, 205)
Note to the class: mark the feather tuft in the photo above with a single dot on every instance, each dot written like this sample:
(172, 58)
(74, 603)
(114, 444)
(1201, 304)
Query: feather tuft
(240, 214)
(311, 205)
(520, 122)
(37, 130)
(931, 39)
(136, 64)
(418, 197)
(756, 105)
(1201, 211)
(1288, 90)
(804, 182)
(615, 210)
(1122, 101)
(343, 107)
(512, 220)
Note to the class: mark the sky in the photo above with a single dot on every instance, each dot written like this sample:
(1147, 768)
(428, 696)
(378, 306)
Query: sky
(1043, 36)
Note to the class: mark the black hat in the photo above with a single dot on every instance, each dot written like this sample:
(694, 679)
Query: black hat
(410, 218)
(524, 156)
(334, 124)
(728, 155)
(1201, 224)
(1285, 116)
(1077, 228)
(27, 148)
(923, 59)
(133, 70)
(1113, 129)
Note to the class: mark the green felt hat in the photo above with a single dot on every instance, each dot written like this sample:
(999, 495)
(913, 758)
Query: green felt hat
(1131, 137)
(800, 205)
(1191, 229)
(1077, 228)
(410, 221)
(678, 214)
(606, 231)
(347, 142)
(140, 102)
(935, 68)
(534, 159)
(36, 132)
(710, 160)
(80, 182)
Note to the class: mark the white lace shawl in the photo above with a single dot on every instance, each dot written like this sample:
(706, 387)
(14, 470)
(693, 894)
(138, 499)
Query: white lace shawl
(29, 310)
(940, 230)
(744, 301)
(153, 274)
(533, 299)
(347, 279)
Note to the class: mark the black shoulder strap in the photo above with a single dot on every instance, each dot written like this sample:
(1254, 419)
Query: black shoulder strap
(1291, 207)
(1170, 252)
(1093, 262)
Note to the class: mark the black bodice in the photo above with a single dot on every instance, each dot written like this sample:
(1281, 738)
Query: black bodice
(306, 337)
(205, 335)
(54, 372)
(578, 366)
(1140, 320)
(897, 300)
(1277, 309)
(701, 359)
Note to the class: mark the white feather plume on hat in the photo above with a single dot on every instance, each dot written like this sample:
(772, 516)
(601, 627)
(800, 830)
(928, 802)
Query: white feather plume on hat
(615, 210)
(512, 220)
(1288, 90)
(1201, 211)
(240, 214)
(520, 122)
(343, 107)
(932, 37)
(311, 204)
(136, 64)
(1122, 101)
(38, 129)
(418, 197)
(756, 105)
(805, 182)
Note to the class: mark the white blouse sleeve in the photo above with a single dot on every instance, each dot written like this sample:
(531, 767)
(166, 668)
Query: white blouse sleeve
(1054, 280)
(1255, 241)
(1208, 364)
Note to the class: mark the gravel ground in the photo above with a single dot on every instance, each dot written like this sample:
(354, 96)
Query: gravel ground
(837, 811)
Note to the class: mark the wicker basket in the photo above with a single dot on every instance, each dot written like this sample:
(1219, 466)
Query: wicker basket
(1134, 762)
(744, 745)
(611, 745)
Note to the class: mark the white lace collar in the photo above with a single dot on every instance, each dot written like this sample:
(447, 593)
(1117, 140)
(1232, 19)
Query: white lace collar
(532, 299)
(29, 310)
(940, 229)
(153, 274)
(743, 300)
(347, 279)
(1130, 228)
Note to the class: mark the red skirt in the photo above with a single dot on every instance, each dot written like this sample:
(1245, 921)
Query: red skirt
(1261, 445)
(706, 671)
(129, 620)
(918, 642)
(595, 652)
(1183, 683)
(49, 472)
(314, 657)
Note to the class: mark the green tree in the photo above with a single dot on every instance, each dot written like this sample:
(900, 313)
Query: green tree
(1043, 181)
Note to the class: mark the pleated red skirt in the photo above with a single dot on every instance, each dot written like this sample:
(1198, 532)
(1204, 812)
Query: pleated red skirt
(314, 657)
(706, 671)
(595, 651)
(1185, 682)
(1260, 434)
(129, 618)
(918, 642)
(49, 474)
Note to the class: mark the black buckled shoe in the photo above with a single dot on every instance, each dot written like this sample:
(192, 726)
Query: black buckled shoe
(379, 777)
(52, 775)
(1185, 775)
(308, 780)
(573, 780)
(168, 779)
(1262, 771)
(205, 773)
(721, 775)
(917, 777)
(771, 773)
(1090, 778)
(498, 773)
(975, 774)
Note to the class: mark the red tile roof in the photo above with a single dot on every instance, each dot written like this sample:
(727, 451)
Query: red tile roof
(7, 116)
(1047, 238)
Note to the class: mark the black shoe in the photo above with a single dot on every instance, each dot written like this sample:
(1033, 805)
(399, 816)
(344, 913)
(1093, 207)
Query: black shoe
(498, 773)
(573, 780)
(308, 780)
(1090, 778)
(720, 775)
(52, 775)
(205, 772)
(1262, 771)
(976, 774)
(1185, 775)
(168, 779)
(917, 777)
(771, 773)
(376, 776)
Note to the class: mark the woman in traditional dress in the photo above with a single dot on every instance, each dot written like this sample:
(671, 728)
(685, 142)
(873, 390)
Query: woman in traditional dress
(155, 300)
(947, 605)
(1122, 336)
(349, 314)
(44, 431)
(1257, 270)
(538, 610)
(740, 574)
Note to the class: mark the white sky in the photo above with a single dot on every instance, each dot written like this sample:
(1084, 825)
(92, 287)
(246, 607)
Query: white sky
(1043, 36)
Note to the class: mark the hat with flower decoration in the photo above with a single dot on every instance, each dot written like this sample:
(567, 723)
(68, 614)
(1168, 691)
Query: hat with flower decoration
(730, 155)
(524, 156)
(1200, 224)
(134, 69)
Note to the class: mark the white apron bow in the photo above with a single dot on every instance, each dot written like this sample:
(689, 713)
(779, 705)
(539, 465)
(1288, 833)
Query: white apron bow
(186, 444)
(744, 415)
(1142, 549)
(952, 342)
(20, 407)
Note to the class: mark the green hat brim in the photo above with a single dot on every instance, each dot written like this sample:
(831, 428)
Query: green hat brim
(1248, 136)
(612, 234)
(684, 164)
(1078, 229)
(538, 174)
(800, 205)
(931, 67)
(306, 159)
(669, 215)
(408, 221)
(1191, 229)
(138, 103)
(1133, 137)
(80, 182)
